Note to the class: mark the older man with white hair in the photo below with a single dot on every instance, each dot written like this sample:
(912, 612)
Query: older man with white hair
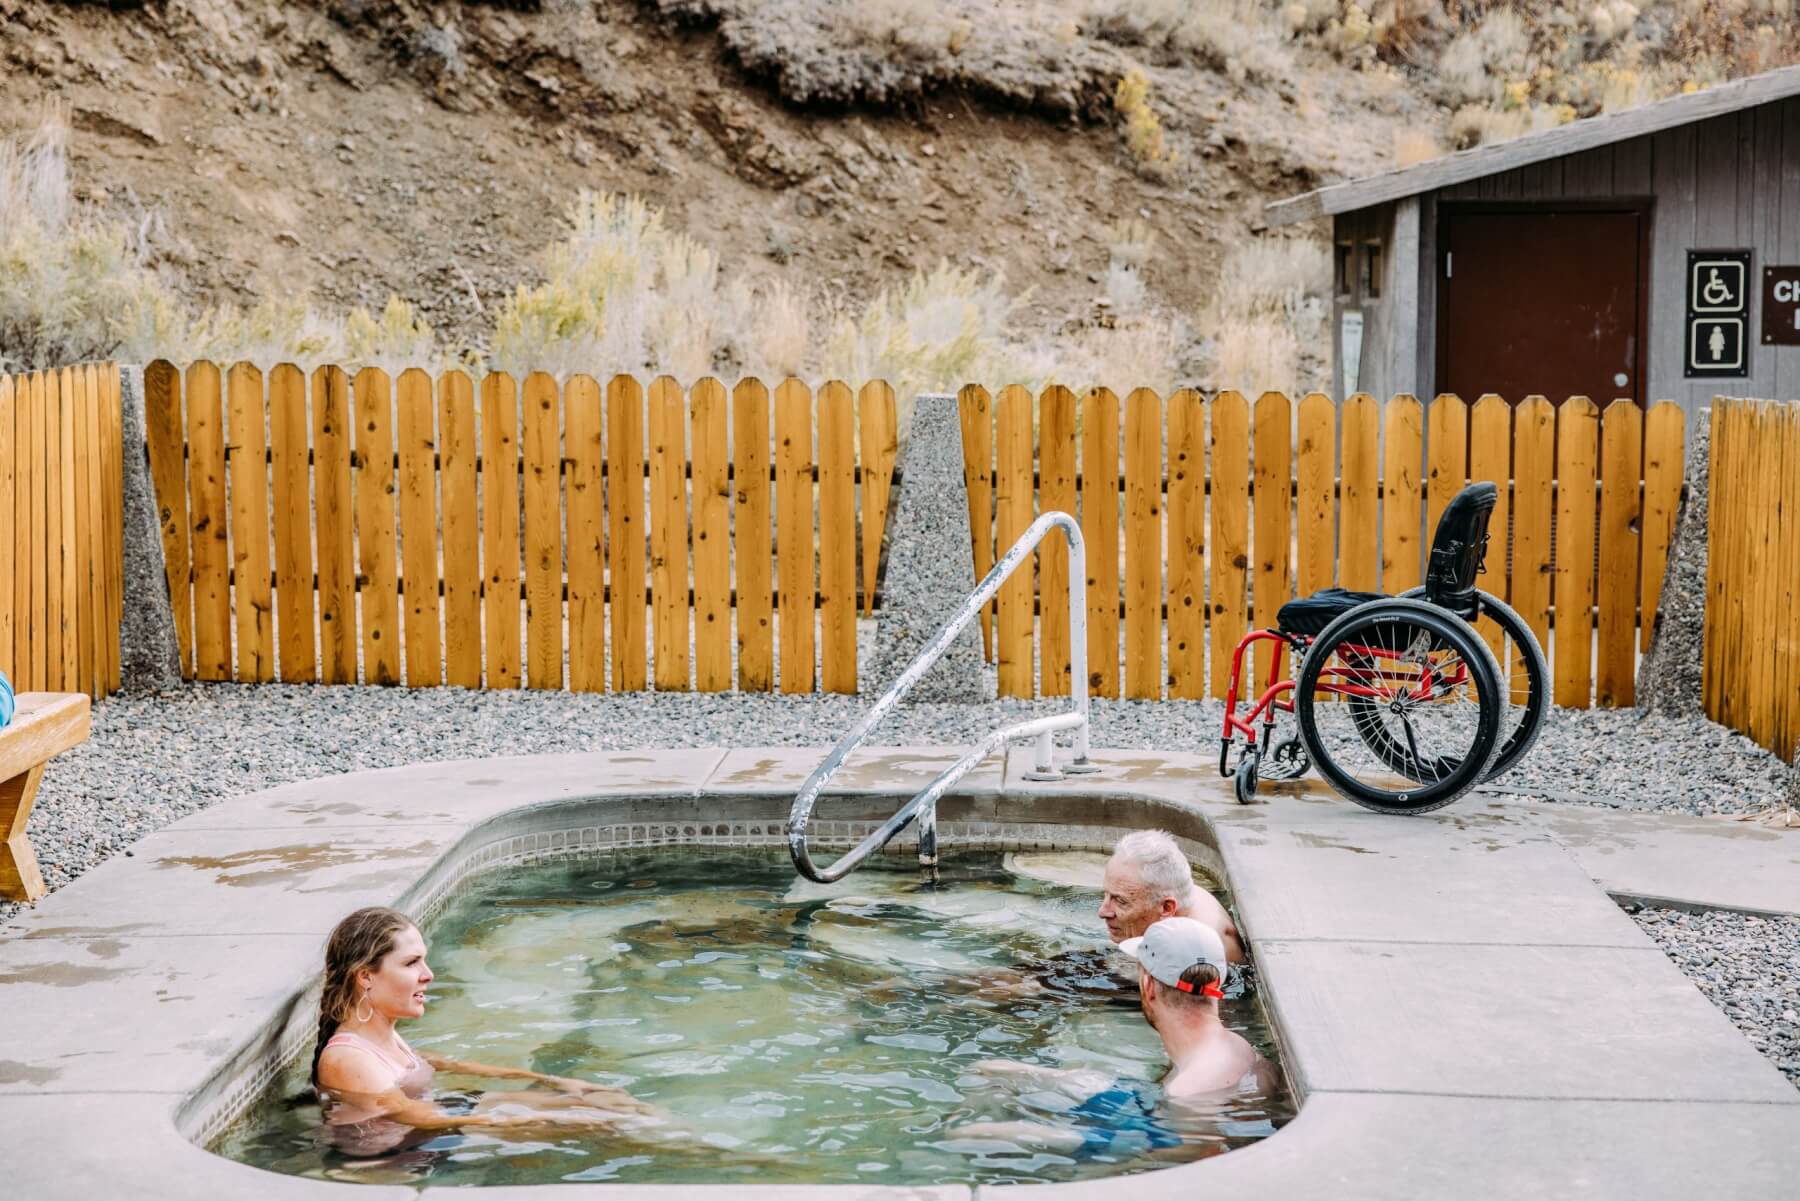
(1148, 879)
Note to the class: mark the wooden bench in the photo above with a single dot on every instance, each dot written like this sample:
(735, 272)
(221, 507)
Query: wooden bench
(45, 725)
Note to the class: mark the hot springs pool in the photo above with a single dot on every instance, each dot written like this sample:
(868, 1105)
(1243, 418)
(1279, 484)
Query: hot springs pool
(791, 1031)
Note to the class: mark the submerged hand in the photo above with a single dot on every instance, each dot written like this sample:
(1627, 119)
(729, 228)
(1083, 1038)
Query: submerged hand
(1008, 1067)
(615, 1100)
(568, 1084)
(1074, 1081)
(599, 1096)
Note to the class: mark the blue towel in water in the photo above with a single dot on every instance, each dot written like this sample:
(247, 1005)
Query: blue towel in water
(1115, 1116)
(7, 704)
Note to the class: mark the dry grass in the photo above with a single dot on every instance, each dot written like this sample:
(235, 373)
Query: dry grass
(1477, 125)
(1609, 20)
(1269, 311)
(1130, 243)
(620, 292)
(1256, 354)
(1407, 31)
(1272, 275)
(1308, 16)
(782, 329)
(1245, 39)
(1140, 352)
(1024, 52)
(1509, 69)
(623, 292)
(943, 329)
(1415, 146)
(1478, 62)
(1143, 128)
(74, 283)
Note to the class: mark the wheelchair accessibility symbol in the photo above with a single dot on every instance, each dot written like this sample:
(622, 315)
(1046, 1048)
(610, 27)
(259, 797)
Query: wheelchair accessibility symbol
(1718, 286)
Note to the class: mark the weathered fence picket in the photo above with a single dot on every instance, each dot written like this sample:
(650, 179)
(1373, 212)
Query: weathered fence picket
(60, 529)
(1752, 634)
(401, 531)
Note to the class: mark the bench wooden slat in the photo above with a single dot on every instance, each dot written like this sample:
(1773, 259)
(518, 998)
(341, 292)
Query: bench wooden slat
(44, 724)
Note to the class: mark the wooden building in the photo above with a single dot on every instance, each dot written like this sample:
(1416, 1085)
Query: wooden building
(1649, 254)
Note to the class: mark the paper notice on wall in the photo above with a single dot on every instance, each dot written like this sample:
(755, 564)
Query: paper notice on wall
(1350, 337)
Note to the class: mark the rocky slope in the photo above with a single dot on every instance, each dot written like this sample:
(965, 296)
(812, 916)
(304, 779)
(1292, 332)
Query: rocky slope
(357, 148)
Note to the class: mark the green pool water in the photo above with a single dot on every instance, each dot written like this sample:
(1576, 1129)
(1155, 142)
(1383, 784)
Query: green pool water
(790, 1032)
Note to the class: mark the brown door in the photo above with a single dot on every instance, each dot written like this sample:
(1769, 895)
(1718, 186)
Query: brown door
(1541, 303)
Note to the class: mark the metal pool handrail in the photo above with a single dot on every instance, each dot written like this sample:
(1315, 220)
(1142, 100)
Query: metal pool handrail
(924, 805)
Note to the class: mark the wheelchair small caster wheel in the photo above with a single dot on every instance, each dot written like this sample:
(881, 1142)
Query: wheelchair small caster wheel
(1244, 779)
(1287, 760)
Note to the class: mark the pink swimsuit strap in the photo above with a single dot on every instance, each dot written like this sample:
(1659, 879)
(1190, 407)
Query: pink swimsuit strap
(349, 1038)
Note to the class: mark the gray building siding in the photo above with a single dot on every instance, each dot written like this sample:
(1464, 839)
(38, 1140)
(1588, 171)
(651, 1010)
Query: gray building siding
(1729, 181)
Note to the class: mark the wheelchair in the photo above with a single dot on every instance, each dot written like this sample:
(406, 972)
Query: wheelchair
(1401, 702)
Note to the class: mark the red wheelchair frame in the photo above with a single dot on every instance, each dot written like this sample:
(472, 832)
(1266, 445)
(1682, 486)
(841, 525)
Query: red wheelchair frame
(1335, 680)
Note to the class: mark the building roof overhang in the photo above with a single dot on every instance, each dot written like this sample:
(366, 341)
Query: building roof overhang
(1587, 134)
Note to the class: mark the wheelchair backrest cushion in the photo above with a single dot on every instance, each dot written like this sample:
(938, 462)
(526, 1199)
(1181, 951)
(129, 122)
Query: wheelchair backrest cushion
(1458, 549)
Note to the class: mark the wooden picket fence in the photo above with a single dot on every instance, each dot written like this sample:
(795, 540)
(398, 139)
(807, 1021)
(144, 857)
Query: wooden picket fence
(499, 533)
(60, 529)
(1751, 678)
(1181, 548)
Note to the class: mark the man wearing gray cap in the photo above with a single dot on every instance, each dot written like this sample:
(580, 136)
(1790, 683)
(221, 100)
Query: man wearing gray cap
(1181, 966)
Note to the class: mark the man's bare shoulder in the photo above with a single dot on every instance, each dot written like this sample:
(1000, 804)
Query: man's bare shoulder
(1205, 907)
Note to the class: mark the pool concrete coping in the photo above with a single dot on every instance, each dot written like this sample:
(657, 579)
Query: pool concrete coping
(1460, 1005)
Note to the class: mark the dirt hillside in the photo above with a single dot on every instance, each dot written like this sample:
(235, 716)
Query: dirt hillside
(355, 149)
(351, 149)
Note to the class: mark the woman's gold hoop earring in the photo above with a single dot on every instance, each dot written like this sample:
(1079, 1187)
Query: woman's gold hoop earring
(360, 1001)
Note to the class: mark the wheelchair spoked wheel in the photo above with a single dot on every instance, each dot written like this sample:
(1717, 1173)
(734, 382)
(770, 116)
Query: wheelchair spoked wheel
(1525, 681)
(1415, 719)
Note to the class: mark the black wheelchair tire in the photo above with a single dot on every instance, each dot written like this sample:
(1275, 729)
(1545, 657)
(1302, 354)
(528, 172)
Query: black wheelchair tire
(1537, 673)
(1458, 635)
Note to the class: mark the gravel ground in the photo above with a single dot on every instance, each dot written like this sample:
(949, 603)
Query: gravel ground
(1631, 760)
(154, 760)
(1747, 966)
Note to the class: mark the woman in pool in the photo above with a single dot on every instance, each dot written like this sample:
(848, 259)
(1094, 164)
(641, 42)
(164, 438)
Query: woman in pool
(376, 1090)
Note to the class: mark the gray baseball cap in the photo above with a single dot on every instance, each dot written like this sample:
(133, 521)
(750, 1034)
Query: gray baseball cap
(1175, 944)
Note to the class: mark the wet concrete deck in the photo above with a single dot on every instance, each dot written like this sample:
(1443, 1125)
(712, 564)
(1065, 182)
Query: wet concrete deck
(1461, 1006)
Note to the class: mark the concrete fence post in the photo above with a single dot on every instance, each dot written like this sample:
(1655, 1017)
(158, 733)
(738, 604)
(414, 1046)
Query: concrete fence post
(149, 655)
(1671, 675)
(931, 564)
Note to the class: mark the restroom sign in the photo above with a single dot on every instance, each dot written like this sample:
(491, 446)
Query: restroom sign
(1718, 313)
(1781, 306)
